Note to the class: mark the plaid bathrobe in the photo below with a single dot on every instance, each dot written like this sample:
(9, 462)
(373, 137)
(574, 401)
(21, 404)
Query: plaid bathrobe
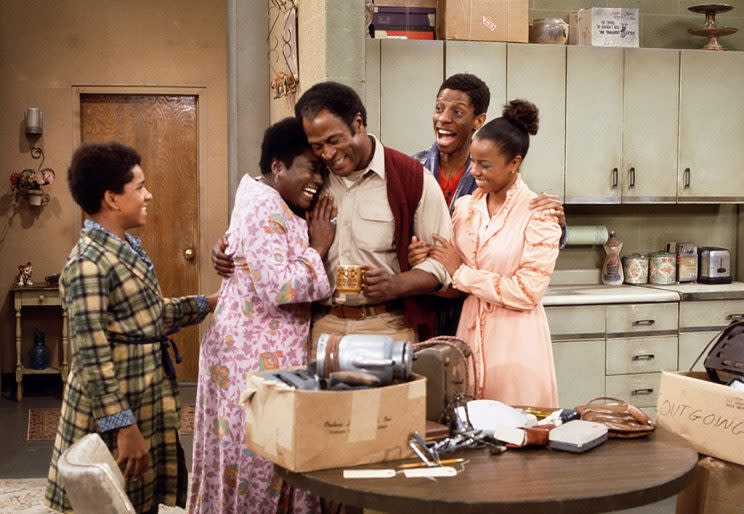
(114, 304)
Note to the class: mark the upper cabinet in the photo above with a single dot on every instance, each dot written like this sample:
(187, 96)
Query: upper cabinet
(594, 116)
(711, 127)
(636, 125)
(410, 75)
(650, 120)
(538, 73)
(485, 60)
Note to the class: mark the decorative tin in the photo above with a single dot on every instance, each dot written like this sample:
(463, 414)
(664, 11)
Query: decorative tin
(662, 268)
(635, 268)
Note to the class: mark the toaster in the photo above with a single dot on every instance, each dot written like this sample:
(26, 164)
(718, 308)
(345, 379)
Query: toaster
(715, 265)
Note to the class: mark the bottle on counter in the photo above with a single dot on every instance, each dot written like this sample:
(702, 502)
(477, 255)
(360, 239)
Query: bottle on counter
(612, 270)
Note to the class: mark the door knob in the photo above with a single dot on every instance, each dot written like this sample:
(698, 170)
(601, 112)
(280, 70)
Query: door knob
(189, 254)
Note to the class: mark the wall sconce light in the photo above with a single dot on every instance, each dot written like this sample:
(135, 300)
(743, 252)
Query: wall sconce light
(29, 181)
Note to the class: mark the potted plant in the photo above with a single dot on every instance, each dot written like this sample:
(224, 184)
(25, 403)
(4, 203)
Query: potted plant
(29, 182)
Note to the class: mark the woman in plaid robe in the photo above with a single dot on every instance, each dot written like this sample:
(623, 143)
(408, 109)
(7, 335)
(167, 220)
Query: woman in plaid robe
(121, 384)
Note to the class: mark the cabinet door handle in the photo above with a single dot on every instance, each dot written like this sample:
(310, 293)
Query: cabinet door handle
(631, 174)
(644, 357)
(41, 298)
(644, 322)
(642, 392)
(732, 317)
(686, 178)
(614, 178)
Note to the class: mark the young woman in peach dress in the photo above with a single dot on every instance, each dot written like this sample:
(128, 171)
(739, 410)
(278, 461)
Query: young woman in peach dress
(502, 256)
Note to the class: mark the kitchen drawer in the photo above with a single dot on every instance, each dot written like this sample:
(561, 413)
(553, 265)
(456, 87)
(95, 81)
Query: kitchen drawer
(641, 355)
(702, 315)
(577, 322)
(579, 370)
(635, 318)
(690, 346)
(640, 389)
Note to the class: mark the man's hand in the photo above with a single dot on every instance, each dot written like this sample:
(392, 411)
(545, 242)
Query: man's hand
(133, 451)
(380, 285)
(418, 251)
(222, 263)
(550, 204)
(446, 253)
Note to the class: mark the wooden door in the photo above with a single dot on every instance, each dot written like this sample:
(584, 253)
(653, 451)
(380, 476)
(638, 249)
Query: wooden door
(594, 118)
(538, 74)
(163, 129)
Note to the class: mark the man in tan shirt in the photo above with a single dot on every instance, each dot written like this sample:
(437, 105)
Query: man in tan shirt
(334, 120)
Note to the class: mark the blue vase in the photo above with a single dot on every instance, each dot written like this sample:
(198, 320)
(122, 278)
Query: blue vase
(40, 352)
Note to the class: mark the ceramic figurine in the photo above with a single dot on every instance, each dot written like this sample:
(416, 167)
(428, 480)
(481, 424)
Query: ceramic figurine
(24, 275)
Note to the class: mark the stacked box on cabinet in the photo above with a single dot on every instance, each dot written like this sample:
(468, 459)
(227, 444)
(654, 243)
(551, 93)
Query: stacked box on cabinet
(311, 430)
(405, 19)
(484, 20)
(604, 26)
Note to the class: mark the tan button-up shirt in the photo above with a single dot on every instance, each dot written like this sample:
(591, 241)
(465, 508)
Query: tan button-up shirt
(365, 224)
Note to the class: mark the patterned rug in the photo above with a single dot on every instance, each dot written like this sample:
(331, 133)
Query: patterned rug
(26, 496)
(23, 496)
(42, 423)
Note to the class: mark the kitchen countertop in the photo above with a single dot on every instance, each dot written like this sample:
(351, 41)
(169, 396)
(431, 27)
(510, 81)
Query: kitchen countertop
(695, 291)
(589, 294)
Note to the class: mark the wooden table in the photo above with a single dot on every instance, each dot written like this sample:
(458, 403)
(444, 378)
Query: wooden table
(620, 474)
(37, 296)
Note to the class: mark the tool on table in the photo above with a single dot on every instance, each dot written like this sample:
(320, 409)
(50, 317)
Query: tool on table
(443, 462)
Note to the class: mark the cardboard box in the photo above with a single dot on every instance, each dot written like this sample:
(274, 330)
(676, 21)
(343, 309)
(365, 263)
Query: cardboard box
(484, 20)
(718, 488)
(709, 415)
(311, 430)
(605, 26)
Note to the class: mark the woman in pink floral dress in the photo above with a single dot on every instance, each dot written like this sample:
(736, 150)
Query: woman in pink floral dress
(261, 322)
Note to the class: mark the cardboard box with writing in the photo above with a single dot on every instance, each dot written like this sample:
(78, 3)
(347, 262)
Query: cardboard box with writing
(311, 430)
(709, 415)
(605, 26)
(484, 20)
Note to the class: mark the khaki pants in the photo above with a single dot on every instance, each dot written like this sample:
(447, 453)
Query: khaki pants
(387, 323)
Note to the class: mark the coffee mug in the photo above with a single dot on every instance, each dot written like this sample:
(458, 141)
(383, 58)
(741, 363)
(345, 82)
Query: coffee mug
(349, 278)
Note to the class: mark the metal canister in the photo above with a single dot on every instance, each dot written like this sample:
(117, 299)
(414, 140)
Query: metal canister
(378, 355)
(662, 268)
(635, 269)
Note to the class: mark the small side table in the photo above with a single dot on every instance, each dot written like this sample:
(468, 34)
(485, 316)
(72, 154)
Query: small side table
(38, 296)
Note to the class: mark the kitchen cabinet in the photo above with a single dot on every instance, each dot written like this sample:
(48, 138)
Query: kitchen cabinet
(641, 342)
(700, 322)
(486, 60)
(410, 75)
(538, 73)
(711, 124)
(578, 335)
(621, 125)
(594, 115)
(650, 125)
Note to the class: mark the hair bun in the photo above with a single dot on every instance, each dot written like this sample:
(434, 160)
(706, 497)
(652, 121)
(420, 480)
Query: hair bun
(522, 113)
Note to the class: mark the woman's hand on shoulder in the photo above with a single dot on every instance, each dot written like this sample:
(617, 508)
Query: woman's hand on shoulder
(551, 205)
(418, 251)
(322, 224)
